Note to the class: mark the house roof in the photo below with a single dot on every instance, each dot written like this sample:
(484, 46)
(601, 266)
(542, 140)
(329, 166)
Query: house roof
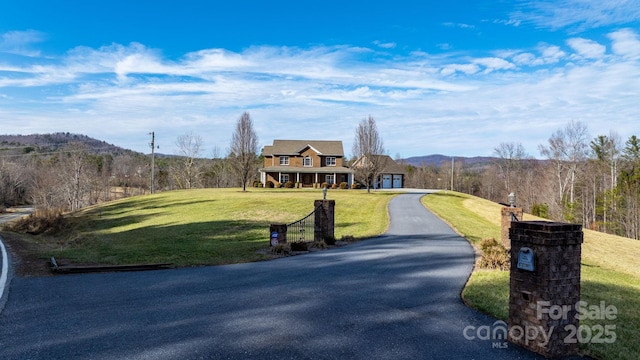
(389, 166)
(295, 147)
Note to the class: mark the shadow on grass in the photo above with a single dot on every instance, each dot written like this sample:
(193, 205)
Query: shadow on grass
(447, 194)
(201, 243)
(124, 207)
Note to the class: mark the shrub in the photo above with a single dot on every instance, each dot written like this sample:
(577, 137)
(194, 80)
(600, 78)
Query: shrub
(269, 184)
(277, 185)
(330, 240)
(494, 255)
(324, 185)
(299, 246)
(540, 210)
(289, 184)
(334, 186)
(348, 238)
(281, 249)
(257, 184)
(344, 185)
(48, 222)
(355, 185)
(319, 245)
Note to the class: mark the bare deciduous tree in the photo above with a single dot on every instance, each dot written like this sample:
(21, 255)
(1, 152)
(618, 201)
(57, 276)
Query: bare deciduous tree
(188, 175)
(73, 175)
(244, 149)
(567, 150)
(509, 161)
(367, 146)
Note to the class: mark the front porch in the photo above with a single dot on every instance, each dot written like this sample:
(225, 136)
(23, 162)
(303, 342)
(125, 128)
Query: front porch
(306, 178)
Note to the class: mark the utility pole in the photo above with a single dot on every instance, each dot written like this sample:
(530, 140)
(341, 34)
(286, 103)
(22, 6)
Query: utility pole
(153, 167)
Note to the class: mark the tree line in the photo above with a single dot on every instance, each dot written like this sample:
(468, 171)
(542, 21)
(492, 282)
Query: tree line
(593, 181)
(65, 174)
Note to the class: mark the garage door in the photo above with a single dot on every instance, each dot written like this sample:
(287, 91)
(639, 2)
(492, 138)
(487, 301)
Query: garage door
(397, 181)
(386, 181)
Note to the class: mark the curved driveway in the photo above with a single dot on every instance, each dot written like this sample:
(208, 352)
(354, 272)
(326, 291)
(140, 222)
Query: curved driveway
(392, 297)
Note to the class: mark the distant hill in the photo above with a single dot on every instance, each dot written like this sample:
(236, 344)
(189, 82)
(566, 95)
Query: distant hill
(40, 143)
(439, 160)
(44, 143)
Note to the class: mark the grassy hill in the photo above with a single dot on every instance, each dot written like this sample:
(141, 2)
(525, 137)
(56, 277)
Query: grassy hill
(199, 227)
(610, 272)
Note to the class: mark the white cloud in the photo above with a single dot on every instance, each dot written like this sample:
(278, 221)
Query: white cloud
(525, 58)
(385, 45)
(21, 42)
(493, 63)
(551, 54)
(459, 25)
(468, 69)
(450, 103)
(626, 43)
(587, 48)
(578, 14)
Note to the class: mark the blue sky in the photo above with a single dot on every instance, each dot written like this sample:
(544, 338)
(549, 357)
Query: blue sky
(448, 77)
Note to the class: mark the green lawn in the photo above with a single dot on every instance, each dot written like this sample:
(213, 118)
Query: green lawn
(219, 226)
(609, 272)
(208, 226)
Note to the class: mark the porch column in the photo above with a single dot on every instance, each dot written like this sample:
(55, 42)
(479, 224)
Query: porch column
(297, 177)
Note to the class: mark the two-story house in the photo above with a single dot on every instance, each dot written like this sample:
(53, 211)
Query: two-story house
(307, 162)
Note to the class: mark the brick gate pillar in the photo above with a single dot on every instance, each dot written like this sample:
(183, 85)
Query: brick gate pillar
(507, 216)
(324, 220)
(277, 234)
(544, 286)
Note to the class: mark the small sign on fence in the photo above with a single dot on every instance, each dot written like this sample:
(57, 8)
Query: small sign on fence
(274, 238)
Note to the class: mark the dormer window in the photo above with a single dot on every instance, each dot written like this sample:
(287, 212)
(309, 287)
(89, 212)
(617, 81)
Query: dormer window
(284, 160)
(307, 161)
(330, 161)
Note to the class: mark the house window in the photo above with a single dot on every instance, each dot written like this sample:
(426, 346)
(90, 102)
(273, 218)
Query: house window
(284, 160)
(284, 178)
(330, 161)
(330, 179)
(307, 161)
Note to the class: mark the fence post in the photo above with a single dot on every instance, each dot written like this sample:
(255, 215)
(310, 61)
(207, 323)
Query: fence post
(324, 220)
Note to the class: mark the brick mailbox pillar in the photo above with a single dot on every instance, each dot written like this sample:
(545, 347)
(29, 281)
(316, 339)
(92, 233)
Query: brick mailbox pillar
(324, 219)
(507, 217)
(544, 286)
(277, 234)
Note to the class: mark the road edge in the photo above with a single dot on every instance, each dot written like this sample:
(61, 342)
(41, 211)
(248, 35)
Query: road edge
(4, 275)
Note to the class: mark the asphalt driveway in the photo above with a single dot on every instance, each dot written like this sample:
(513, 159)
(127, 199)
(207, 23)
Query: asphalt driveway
(393, 297)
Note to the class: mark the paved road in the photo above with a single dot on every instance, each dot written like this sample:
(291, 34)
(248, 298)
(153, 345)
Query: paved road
(5, 275)
(392, 297)
(16, 214)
